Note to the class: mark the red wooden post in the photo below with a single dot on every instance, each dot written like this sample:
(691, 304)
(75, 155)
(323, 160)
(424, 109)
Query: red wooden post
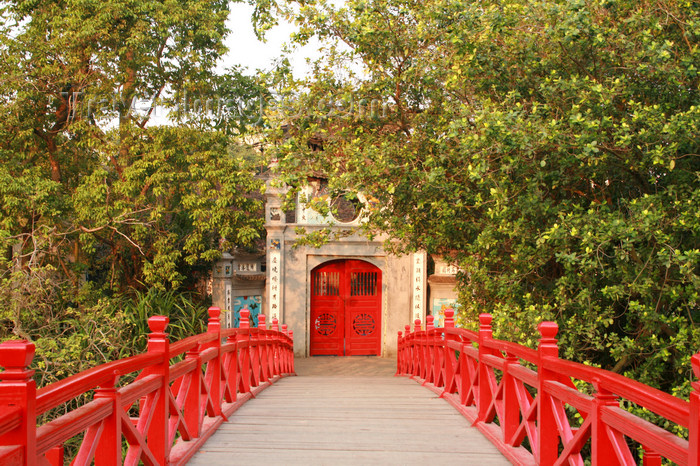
(277, 349)
(158, 430)
(192, 383)
(450, 356)
(602, 448)
(55, 456)
(232, 370)
(430, 322)
(651, 458)
(417, 350)
(449, 318)
(244, 353)
(511, 414)
(284, 329)
(109, 447)
(399, 354)
(426, 361)
(435, 344)
(245, 318)
(547, 433)
(694, 423)
(407, 352)
(264, 349)
(213, 373)
(484, 400)
(290, 366)
(18, 391)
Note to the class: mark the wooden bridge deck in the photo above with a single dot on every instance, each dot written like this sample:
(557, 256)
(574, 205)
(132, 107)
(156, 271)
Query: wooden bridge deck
(347, 411)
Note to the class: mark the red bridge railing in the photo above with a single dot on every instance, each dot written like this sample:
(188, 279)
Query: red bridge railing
(162, 417)
(539, 409)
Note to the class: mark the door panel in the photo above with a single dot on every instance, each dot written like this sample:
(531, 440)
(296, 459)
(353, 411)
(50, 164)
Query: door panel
(363, 310)
(346, 309)
(327, 311)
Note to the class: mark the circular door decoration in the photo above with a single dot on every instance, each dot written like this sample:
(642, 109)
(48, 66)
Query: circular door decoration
(363, 324)
(326, 324)
(345, 210)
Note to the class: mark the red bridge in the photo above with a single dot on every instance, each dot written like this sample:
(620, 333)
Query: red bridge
(534, 407)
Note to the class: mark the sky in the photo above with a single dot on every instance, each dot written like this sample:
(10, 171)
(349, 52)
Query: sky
(246, 50)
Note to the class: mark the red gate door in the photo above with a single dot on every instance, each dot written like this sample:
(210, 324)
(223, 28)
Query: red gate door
(327, 310)
(346, 309)
(363, 306)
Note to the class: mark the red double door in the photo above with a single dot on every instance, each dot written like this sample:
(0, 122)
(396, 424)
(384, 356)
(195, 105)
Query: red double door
(346, 309)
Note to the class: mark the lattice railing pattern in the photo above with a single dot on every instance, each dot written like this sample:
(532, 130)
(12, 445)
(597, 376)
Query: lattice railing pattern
(162, 417)
(527, 402)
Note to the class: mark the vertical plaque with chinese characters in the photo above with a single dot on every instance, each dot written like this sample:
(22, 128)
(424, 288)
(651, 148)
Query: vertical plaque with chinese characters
(418, 305)
(275, 258)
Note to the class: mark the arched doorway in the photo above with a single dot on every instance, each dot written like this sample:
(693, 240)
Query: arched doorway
(346, 309)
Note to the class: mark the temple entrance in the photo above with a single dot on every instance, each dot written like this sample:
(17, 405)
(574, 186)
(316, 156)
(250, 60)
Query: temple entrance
(346, 309)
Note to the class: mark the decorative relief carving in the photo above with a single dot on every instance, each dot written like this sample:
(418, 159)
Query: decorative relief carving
(326, 324)
(363, 324)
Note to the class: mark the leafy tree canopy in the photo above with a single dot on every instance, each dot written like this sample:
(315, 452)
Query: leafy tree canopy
(95, 199)
(550, 148)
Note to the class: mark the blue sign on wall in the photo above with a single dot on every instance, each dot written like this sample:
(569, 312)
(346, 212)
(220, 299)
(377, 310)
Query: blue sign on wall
(253, 303)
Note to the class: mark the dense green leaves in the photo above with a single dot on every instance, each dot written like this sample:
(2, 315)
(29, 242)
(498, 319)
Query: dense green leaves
(551, 148)
(96, 200)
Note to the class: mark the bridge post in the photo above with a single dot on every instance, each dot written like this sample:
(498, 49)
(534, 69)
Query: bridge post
(109, 447)
(602, 448)
(290, 364)
(213, 373)
(430, 351)
(408, 360)
(484, 400)
(511, 415)
(193, 387)
(264, 349)
(18, 399)
(245, 318)
(244, 352)
(418, 349)
(694, 424)
(450, 357)
(158, 430)
(399, 354)
(231, 361)
(547, 432)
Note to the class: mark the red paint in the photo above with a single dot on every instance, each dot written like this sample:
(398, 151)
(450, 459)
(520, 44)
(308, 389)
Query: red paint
(346, 309)
(493, 384)
(178, 405)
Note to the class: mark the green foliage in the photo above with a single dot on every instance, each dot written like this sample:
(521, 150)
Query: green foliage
(551, 148)
(188, 315)
(113, 197)
(71, 333)
(98, 202)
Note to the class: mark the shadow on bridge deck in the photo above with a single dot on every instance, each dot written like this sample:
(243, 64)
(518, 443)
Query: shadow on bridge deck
(348, 410)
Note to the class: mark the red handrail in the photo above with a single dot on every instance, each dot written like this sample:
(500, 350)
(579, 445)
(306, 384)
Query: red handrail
(527, 413)
(162, 417)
